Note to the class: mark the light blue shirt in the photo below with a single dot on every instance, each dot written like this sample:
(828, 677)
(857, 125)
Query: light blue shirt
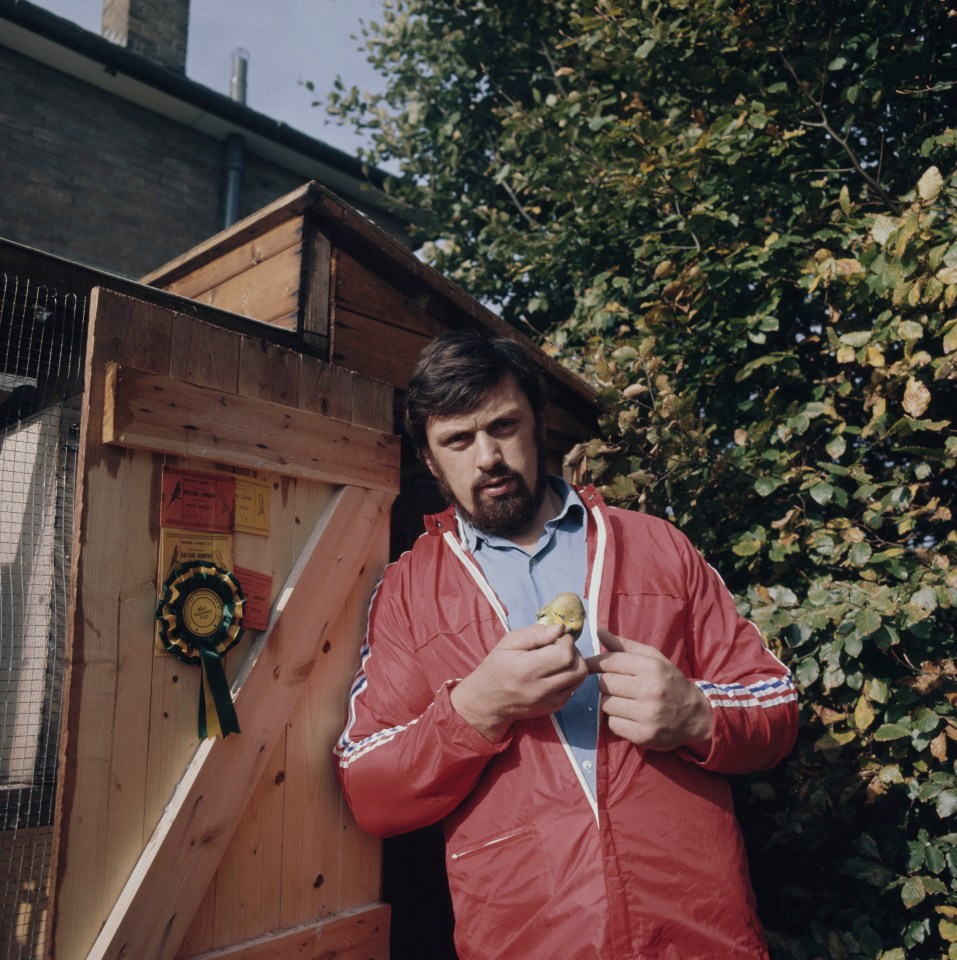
(526, 580)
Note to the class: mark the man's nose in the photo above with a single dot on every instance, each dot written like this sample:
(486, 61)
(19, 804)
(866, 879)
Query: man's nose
(488, 453)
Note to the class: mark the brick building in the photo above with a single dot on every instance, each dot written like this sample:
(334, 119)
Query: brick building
(111, 156)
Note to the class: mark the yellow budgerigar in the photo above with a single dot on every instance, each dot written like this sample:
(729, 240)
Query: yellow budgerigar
(567, 608)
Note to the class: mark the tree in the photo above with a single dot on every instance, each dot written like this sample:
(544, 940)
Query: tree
(740, 220)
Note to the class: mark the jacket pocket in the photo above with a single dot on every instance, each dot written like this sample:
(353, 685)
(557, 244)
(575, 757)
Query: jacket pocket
(490, 844)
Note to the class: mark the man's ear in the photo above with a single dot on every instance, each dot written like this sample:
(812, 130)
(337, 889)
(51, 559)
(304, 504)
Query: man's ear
(425, 455)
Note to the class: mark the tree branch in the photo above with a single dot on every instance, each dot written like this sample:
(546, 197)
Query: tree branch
(551, 67)
(825, 124)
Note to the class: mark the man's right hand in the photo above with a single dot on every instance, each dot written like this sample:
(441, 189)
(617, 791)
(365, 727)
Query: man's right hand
(530, 673)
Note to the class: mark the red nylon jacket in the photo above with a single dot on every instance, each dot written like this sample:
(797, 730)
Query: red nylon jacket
(655, 868)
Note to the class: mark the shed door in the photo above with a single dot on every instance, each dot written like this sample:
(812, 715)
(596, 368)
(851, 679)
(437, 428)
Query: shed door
(168, 845)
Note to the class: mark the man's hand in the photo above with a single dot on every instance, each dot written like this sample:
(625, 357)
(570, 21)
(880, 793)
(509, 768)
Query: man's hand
(647, 699)
(530, 673)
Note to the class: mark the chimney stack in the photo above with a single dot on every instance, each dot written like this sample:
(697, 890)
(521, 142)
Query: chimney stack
(156, 29)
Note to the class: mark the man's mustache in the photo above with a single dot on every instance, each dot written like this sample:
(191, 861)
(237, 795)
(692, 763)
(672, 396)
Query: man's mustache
(501, 471)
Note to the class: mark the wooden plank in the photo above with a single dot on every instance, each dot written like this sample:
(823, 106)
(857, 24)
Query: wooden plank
(361, 934)
(359, 289)
(372, 402)
(266, 291)
(373, 335)
(174, 738)
(173, 735)
(200, 936)
(249, 876)
(204, 353)
(310, 869)
(268, 372)
(207, 354)
(326, 389)
(163, 414)
(315, 868)
(359, 854)
(376, 349)
(333, 273)
(288, 322)
(308, 880)
(131, 729)
(157, 903)
(114, 557)
(206, 276)
(288, 207)
(244, 897)
(316, 284)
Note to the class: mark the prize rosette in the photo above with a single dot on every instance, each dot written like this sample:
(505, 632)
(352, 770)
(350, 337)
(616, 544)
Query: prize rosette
(200, 616)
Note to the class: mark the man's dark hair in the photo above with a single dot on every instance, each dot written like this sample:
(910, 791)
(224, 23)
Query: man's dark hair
(456, 371)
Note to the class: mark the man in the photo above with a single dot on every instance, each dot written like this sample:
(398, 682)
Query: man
(581, 787)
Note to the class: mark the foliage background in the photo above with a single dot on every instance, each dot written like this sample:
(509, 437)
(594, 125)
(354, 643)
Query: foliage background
(739, 219)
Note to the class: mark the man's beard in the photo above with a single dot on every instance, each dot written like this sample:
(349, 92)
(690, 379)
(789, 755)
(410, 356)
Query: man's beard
(507, 514)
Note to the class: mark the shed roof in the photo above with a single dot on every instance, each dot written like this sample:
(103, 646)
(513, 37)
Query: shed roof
(407, 301)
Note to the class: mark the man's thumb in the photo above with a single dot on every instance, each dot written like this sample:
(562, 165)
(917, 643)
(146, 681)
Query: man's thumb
(533, 637)
(611, 641)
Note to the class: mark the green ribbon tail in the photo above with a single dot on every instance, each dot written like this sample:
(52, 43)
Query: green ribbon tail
(217, 715)
(203, 729)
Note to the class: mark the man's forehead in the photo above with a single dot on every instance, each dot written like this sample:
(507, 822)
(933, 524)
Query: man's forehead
(505, 398)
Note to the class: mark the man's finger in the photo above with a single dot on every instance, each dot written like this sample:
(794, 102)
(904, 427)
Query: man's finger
(600, 662)
(616, 644)
(533, 637)
(618, 685)
(613, 642)
(628, 664)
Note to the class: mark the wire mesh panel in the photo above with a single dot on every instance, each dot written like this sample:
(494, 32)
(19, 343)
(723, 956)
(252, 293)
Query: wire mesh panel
(41, 338)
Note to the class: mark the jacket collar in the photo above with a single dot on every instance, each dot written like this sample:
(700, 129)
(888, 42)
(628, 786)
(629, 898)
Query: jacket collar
(439, 524)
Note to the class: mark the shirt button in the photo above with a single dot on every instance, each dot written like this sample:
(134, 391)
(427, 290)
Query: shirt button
(586, 765)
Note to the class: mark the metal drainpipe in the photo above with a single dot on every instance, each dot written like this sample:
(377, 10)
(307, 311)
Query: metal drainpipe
(234, 162)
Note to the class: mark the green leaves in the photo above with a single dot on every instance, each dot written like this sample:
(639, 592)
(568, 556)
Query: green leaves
(891, 731)
(739, 221)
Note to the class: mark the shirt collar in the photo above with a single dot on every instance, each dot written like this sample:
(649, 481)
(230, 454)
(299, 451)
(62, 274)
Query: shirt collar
(571, 515)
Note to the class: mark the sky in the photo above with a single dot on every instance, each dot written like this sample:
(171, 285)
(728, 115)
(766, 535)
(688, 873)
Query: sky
(288, 41)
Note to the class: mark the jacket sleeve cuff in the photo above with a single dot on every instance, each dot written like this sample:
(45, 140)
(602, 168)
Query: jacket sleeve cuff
(747, 735)
(703, 752)
(459, 730)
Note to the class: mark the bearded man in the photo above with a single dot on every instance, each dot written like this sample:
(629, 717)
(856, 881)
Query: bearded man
(581, 785)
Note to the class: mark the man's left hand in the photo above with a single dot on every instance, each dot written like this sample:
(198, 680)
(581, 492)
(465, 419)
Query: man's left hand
(647, 699)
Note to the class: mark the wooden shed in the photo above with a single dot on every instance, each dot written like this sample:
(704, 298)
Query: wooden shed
(236, 413)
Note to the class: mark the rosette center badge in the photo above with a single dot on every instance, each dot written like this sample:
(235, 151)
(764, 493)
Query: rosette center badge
(203, 612)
